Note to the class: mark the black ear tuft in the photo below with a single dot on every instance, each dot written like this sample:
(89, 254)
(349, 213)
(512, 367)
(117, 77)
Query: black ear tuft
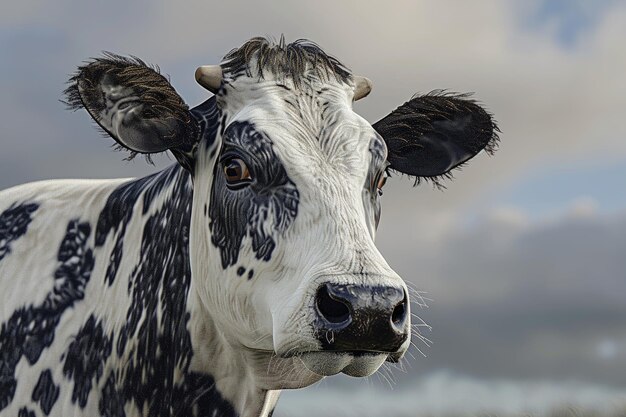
(133, 103)
(430, 135)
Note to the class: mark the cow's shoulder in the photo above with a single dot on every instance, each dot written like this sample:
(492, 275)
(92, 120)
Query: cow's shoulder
(46, 261)
(35, 217)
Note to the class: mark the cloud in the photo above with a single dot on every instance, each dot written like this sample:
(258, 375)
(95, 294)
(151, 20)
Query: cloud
(515, 296)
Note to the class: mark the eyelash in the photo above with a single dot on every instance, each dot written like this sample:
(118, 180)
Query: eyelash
(379, 182)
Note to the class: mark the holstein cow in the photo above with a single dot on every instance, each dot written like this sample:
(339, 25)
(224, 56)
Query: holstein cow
(246, 268)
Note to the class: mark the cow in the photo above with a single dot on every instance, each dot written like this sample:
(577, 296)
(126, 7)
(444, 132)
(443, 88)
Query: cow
(245, 268)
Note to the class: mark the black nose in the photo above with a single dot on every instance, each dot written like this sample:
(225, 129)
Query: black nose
(353, 317)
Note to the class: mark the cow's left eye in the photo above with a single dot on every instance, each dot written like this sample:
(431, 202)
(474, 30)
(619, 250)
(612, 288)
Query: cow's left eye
(236, 172)
(380, 182)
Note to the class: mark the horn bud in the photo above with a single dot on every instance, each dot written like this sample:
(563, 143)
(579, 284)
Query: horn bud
(210, 77)
(362, 87)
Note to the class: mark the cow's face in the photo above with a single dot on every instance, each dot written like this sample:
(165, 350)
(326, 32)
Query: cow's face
(287, 180)
(293, 183)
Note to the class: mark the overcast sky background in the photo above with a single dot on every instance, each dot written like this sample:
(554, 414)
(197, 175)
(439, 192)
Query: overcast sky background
(523, 256)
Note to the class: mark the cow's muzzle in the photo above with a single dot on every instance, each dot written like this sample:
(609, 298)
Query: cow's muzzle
(361, 319)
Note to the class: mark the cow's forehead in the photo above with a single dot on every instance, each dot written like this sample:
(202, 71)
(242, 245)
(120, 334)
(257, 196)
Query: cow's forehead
(272, 91)
(304, 123)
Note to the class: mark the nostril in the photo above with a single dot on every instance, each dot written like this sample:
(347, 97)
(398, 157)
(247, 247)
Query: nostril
(334, 311)
(399, 313)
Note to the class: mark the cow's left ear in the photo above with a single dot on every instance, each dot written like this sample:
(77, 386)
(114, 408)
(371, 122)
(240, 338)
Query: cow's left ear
(134, 104)
(430, 135)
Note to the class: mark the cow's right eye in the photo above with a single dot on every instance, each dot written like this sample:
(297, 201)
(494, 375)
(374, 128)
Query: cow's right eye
(236, 172)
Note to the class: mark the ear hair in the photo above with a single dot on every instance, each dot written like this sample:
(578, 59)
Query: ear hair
(146, 81)
(423, 115)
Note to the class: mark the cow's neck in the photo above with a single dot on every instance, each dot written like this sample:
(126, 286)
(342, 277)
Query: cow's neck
(235, 371)
(169, 346)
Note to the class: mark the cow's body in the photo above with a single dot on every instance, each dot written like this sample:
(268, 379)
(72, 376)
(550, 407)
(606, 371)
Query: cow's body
(104, 267)
(247, 268)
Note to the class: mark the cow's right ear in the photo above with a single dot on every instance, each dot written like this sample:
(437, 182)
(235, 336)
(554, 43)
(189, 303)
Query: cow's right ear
(430, 135)
(134, 104)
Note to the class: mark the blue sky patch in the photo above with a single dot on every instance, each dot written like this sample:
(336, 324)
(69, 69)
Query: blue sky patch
(553, 189)
(571, 19)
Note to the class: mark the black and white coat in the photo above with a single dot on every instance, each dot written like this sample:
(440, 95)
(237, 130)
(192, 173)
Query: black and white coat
(201, 291)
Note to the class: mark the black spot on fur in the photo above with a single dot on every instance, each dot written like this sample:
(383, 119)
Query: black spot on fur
(25, 412)
(237, 213)
(116, 258)
(222, 125)
(14, 222)
(118, 211)
(241, 270)
(250, 273)
(85, 359)
(46, 392)
(31, 329)
(199, 397)
(111, 400)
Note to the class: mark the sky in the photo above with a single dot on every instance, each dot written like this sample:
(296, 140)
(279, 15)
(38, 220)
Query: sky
(521, 257)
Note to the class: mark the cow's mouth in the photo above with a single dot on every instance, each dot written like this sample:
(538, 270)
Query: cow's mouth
(352, 363)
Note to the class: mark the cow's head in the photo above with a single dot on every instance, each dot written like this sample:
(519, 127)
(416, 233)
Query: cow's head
(287, 187)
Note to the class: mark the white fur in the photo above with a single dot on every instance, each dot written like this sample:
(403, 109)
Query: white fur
(242, 330)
